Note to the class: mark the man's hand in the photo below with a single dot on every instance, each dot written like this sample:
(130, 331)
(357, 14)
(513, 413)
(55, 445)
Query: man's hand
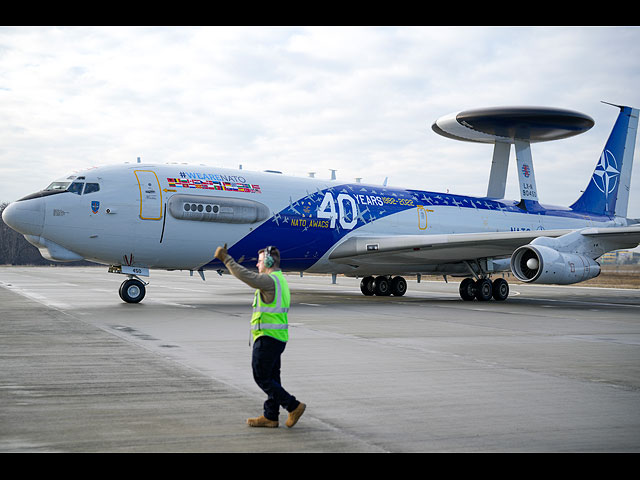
(221, 253)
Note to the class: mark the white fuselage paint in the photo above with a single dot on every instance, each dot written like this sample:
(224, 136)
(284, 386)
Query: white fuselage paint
(118, 234)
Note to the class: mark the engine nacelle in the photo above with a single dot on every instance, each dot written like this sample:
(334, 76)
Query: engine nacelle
(543, 264)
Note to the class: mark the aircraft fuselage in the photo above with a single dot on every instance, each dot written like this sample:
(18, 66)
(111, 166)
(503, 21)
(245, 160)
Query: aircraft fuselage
(139, 216)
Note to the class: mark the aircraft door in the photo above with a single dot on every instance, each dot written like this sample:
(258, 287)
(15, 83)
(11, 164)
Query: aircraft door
(150, 195)
(422, 217)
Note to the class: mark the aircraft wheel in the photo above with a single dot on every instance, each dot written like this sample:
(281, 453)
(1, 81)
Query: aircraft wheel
(367, 286)
(132, 291)
(484, 289)
(500, 289)
(382, 286)
(398, 286)
(467, 289)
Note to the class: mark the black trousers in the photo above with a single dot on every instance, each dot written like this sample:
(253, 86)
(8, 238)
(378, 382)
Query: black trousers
(265, 362)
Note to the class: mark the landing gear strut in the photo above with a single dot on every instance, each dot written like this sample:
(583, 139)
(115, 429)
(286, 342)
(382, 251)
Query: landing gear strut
(383, 286)
(484, 289)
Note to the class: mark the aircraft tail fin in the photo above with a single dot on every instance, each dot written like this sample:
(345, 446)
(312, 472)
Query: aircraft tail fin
(608, 189)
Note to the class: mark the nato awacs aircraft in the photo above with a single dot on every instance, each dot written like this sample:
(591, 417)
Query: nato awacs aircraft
(137, 217)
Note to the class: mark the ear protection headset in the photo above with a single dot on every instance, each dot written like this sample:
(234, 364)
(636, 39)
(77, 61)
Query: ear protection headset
(268, 259)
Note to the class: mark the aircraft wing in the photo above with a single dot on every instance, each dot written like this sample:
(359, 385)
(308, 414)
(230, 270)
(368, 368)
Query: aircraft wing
(628, 235)
(447, 248)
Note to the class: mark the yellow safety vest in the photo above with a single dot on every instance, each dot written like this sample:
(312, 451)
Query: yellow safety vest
(271, 318)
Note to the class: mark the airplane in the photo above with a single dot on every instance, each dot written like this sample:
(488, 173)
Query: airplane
(137, 217)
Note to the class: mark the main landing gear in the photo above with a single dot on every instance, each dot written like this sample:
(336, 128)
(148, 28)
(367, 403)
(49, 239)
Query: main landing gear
(483, 289)
(383, 286)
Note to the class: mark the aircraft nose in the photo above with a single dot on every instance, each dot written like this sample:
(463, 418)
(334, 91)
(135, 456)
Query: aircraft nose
(25, 216)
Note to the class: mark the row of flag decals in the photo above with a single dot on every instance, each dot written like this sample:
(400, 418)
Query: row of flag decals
(213, 185)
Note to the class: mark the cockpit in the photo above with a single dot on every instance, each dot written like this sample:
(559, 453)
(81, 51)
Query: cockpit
(71, 184)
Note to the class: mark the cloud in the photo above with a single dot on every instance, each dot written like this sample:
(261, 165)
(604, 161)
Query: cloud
(357, 99)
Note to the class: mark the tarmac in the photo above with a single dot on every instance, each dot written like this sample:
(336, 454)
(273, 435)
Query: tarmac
(552, 369)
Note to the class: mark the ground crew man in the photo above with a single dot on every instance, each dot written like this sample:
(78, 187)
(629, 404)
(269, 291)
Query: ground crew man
(269, 329)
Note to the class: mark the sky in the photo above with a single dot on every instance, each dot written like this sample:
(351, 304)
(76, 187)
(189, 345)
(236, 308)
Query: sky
(360, 100)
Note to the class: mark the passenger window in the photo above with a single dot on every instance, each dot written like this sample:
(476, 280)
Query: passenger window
(76, 187)
(91, 187)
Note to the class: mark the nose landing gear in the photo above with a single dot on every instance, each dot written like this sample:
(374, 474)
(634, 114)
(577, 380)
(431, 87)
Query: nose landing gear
(132, 290)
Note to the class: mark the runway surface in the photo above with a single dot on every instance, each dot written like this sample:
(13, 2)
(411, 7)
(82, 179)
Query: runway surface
(552, 369)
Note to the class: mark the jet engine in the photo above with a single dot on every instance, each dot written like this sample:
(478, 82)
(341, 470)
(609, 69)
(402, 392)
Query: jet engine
(543, 264)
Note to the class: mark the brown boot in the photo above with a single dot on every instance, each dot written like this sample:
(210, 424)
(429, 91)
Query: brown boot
(295, 415)
(262, 421)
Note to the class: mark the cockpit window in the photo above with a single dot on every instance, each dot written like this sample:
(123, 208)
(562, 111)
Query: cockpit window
(73, 187)
(57, 186)
(76, 187)
(91, 187)
(70, 184)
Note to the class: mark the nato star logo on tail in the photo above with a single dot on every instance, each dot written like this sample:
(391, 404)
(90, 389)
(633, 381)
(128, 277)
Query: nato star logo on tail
(606, 173)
